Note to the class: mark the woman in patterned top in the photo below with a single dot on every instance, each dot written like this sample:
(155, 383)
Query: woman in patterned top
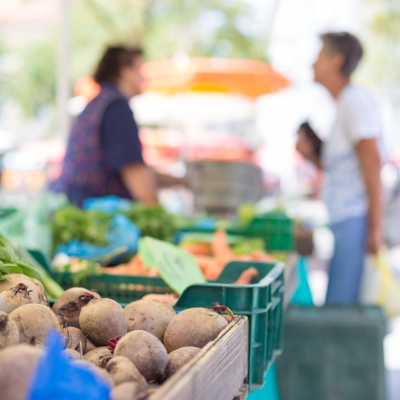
(104, 153)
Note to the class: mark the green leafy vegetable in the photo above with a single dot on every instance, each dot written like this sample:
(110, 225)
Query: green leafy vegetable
(71, 222)
(7, 253)
(81, 270)
(80, 278)
(11, 264)
(21, 262)
(153, 221)
(247, 246)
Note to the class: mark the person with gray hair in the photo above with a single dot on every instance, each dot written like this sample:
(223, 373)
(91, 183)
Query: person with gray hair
(351, 161)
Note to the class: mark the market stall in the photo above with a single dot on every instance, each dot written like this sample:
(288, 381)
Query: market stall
(248, 294)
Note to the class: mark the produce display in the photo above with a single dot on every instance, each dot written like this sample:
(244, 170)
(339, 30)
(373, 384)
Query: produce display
(14, 298)
(134, 349)
(70, 303)
(9, 333)
(149, 315)
(153, 221)
(18, 364)
(71, 222)
(21, 262)
(194, 327)
(212, 257)
(134, 267)
(81, 269)
(92, 226)
(178, 358)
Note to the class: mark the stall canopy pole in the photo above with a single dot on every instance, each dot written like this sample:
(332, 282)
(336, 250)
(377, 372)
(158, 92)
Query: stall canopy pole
(63, 71)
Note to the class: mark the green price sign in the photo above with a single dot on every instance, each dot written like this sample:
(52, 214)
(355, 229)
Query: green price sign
(178, 268)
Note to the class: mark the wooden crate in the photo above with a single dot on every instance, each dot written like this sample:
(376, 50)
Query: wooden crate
(216, 373)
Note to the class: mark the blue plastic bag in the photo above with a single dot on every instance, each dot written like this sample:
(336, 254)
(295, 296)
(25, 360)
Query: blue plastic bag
(57, 377)
(107, 204)
(207, 224)
(123, 238)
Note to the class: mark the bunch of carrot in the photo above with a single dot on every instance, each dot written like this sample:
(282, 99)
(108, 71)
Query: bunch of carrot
(135, 267)
(212, 257)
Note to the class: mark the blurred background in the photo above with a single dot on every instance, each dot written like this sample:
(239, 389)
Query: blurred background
(49, 49)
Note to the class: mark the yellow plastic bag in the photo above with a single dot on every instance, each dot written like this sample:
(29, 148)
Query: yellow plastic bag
(379, 286)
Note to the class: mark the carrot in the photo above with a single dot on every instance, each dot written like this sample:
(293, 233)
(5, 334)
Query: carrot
(197, 248)
(136, 261)
(261, 256)
(122, 269)
(244, 257)
(135, 267)
(246, 276)
(210, 267)
(220, 247)
(153, 272)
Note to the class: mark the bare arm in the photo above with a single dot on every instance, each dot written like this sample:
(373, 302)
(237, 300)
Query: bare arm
(168, 180)
(141, 183)
(368, 153)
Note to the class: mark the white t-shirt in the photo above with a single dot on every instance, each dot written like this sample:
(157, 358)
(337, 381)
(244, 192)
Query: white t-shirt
(357, 118)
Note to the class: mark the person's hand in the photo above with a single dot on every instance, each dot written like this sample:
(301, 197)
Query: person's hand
(374, 240)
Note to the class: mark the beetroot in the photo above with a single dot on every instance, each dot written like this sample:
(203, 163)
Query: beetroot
(17, 364)
(76, 339)
(102, 320)
(152, 388)
(128, 391)
(70, 303)
(152, 316)
(178, 359)
(72, 354)
(38, 294)
(33, 321)
(15, 297)
(89, 346)
(145, 351)
(123, 370)
(102, 373)
(194, 327)
(9, 334)
(99, 356)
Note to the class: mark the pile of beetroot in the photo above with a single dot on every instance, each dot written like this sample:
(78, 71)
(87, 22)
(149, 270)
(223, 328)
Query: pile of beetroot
(134, 349)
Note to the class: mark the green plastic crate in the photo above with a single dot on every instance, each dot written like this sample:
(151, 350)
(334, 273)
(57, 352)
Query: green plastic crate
(275, 228)
(333, 352)
(261, 302)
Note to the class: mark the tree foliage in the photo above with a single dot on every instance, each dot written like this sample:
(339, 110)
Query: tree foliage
(381, 66)
(199, 27)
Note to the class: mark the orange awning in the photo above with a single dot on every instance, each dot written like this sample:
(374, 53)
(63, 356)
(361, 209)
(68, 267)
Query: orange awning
(248, 77)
